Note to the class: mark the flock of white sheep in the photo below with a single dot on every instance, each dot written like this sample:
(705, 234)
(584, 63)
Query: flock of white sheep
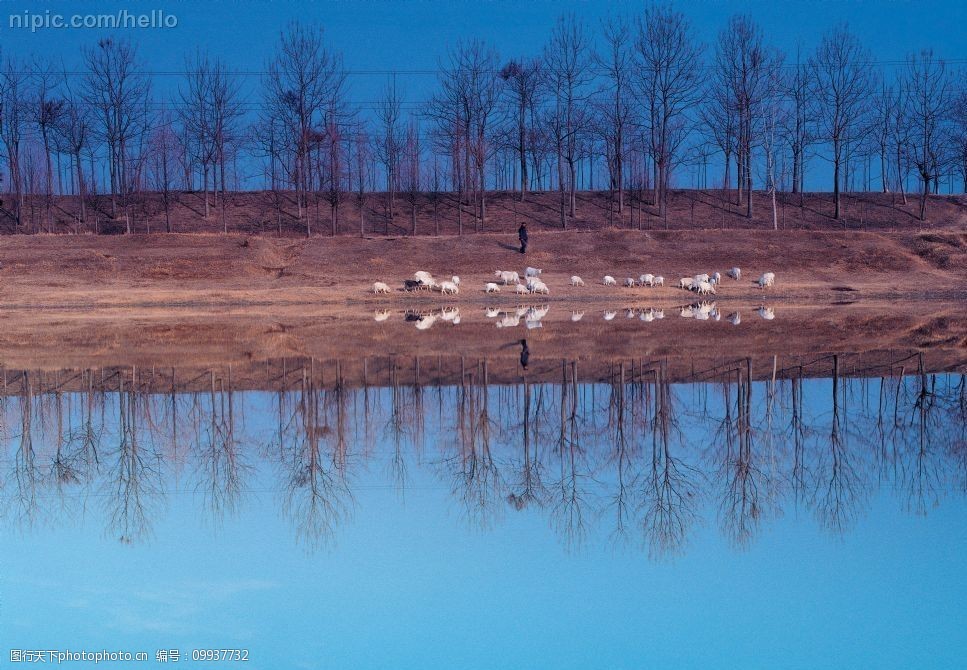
(702, 284)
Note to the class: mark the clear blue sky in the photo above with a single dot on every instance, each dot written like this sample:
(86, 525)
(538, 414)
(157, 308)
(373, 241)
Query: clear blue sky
(377, 36)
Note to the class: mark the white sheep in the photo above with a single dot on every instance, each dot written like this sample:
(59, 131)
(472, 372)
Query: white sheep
(609, 315)
(449, 288)
(577, 316)
(380, 287)
(686, 283)
(716, 278)
(423, 277)
(576, 281)
(381, 315)
(532, 272)
(700, 278)
(520, 289)
(609, 281)
(658, 281)
(767, 279)
(492, 288)
(537, 286)
(646, 280)
(767, 313)
(455, 279)
(507, 277)
(630, 282)
(735, 273)
(704, 288)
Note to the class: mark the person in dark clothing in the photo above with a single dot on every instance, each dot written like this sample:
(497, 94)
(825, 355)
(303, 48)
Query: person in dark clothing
(522, 236)
(525, 354)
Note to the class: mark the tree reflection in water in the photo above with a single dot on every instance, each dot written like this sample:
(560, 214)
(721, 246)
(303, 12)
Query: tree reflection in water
(623, 450)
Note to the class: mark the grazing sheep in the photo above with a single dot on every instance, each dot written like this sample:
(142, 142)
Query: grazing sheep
(702, 277)
(380, 287)
(492, 288)
(537, 286)
(658, 281)
(686, 283)
(646, 280)
(507, 277)
(735, 273)
(577, 316)
(381, 315)
(520, 289)
(734, 318)
(704, 288)
(716, 278)
(609, 281)
(767, 279)
(767, 313)
(423, 277)
(576, 281)
(492, 312)
(449, 288)
(609, 315)
(630, 282)
(532, 272)
(455, 279)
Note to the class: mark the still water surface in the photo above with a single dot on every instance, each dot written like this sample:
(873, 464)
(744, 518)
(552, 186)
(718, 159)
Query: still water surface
(634, 523)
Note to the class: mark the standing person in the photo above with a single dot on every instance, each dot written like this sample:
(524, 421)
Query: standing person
(522, 236)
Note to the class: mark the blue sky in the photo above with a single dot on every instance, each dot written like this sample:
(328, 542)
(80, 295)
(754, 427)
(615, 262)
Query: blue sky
(376, 37)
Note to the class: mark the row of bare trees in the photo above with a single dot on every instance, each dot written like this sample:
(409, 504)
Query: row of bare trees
(636, 103)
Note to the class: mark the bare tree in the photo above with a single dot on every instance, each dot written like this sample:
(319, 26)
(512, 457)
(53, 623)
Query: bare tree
(797, 129)
(959, 118)
(841, 85)
(412, 170)
(303, 78)
(568, 70)
(117, 90)
(164, 149)
(73, 131)
(13, 114)
(389, 143)
(522, 81)
(669, 81)
(927, 104)
(615, 105)
(47, 109)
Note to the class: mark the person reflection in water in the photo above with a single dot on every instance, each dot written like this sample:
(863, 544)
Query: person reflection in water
(525, 354)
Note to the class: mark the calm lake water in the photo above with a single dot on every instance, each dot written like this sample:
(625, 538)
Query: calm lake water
(639, 521)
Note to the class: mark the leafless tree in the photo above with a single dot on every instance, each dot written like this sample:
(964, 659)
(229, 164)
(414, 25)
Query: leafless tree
(797, 130)
(927, 105)
(522, 80)
(389, 144)
(304, 77)
(13, 116)
(164, 147)
(569, 71)
(117, 90)
(670, 78)
(959, 118)
(614, 101)
(412, 170)
(47, 107)
(841, 85)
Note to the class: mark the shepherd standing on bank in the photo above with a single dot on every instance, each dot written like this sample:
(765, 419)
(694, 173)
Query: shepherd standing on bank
(522, 236)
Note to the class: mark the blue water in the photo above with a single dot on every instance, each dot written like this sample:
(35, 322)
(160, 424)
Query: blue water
(434, 568)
